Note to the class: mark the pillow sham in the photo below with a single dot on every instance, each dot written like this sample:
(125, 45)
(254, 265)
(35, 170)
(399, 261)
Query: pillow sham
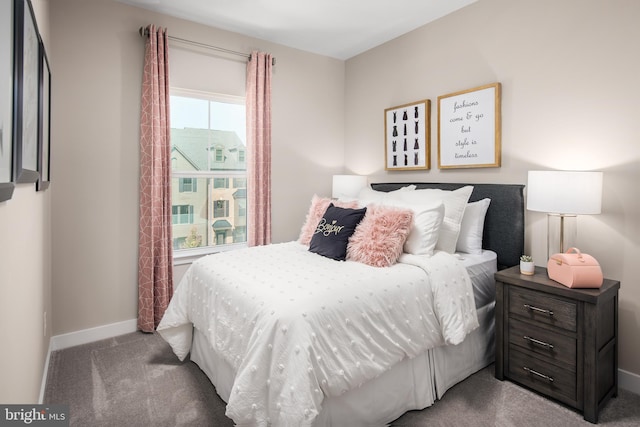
(472, 227)
(380, 237)
(454, 202)
(368, 195)
(427, 220)
(318, 207)
(332, 233)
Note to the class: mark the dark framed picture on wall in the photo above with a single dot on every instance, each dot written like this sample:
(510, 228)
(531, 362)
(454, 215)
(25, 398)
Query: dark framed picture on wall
(26, 93)
(44, 119)
(6, 100)
(407, 133)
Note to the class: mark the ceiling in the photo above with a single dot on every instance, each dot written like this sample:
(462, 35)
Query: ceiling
(336, 28)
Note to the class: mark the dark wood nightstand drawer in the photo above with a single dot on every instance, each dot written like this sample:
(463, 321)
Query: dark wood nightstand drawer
(557, 347)
(543, 308)
(555, 381)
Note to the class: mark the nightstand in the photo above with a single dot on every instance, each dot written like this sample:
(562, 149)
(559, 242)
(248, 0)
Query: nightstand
(558, 341)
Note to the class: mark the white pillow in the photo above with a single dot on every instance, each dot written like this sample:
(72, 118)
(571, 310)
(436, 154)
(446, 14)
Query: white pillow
(427, 219)
(368, 195)
(454, 202)
(472, 227)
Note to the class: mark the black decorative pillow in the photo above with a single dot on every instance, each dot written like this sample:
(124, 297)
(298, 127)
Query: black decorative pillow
(332, 234)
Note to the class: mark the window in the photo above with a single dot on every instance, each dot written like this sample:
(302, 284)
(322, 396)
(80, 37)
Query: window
(182, 214)
(220, 208)
(219, 154)
(220, 182)
(208, 172)
(188, 185)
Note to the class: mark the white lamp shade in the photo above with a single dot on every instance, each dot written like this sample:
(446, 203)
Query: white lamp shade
(348, 186)
(565, 192)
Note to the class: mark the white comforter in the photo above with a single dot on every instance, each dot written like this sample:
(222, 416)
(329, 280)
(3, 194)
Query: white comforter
(297, 326)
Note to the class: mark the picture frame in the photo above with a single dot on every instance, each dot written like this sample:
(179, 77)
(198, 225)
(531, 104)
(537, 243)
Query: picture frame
(407, 131)
(469, 128)
(26, 94)
(6, 100)
(44, 120)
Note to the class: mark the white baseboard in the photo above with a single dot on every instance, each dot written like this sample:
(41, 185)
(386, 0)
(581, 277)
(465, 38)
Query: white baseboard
(45, 372)
(629, 381)
(85, 336)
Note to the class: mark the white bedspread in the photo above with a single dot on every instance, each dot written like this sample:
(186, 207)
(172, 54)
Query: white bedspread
(297, 326)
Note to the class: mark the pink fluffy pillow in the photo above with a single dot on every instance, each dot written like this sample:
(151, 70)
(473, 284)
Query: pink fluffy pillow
(380, 236)
(318, 207)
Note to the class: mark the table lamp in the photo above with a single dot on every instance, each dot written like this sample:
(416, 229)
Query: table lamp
(347, 187)
(563, 195)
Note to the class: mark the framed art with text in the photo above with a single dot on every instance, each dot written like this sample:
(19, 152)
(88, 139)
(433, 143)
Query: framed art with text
(44, 116)
(26, 93)
(407, 134)
(469, 128)
(6, 100)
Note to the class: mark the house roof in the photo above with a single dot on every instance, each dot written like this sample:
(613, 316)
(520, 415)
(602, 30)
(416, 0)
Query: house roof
(196, 144)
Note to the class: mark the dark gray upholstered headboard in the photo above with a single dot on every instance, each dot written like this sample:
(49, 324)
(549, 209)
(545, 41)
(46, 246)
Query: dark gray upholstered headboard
(504, 222)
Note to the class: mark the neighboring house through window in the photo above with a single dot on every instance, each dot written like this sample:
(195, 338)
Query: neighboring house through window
(208, 171)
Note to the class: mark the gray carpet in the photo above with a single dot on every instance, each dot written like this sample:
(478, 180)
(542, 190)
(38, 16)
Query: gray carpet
(135, 380)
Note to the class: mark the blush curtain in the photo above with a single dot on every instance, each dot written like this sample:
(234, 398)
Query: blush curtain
(155, 263)
(258, 99)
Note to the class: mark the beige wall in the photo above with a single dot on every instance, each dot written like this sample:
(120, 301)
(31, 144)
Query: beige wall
(569, 72)
(25, 279)
(96, 63)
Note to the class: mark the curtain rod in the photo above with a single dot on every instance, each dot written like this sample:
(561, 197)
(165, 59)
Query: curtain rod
(144, 32)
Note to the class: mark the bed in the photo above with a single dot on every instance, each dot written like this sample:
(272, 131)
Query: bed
(290, 338)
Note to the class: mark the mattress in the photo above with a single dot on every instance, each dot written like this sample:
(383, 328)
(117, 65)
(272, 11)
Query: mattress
(481, 269)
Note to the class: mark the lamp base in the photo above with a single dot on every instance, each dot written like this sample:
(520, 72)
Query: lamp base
(561, 233)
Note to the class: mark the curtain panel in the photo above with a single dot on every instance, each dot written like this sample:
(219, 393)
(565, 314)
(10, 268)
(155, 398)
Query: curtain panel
(155, 254)
(258, 99)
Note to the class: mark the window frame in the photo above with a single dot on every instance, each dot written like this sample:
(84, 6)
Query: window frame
(186, 256)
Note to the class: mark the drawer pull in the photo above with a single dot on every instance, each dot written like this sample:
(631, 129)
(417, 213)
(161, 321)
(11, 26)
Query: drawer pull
(542, 343)
(531, 371)
(539, 310)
